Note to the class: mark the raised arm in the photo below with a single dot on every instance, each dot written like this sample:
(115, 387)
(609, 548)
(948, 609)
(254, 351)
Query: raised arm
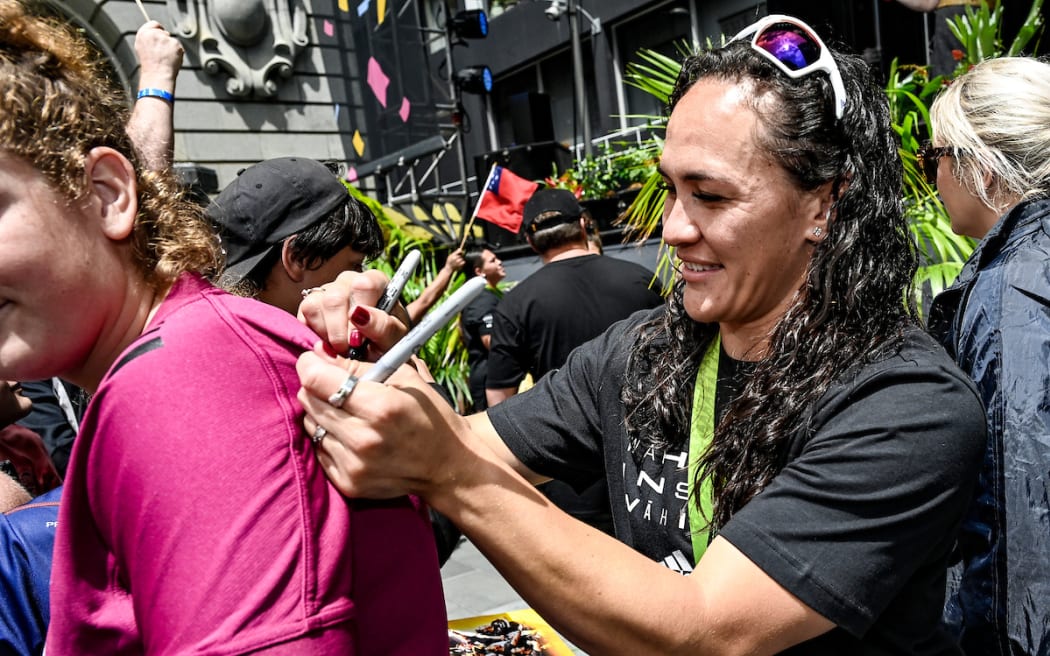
(453, 263)
(151, 126)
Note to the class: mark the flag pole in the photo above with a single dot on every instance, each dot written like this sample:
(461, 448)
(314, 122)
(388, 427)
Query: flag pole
(474, 215)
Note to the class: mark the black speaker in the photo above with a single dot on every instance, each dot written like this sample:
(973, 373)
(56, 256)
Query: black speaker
(534, 161)
(530, 117)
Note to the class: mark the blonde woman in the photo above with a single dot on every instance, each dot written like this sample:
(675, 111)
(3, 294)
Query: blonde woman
(990, 161)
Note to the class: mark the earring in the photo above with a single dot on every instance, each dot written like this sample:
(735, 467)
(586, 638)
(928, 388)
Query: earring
(818, 231)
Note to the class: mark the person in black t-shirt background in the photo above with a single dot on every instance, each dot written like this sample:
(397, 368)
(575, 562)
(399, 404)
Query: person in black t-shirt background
(568, 301)
(781, 431)
(571, 299)
(476, 321)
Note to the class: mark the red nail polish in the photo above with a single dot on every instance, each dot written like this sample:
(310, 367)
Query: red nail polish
(356, 339)
(359, 316)
(328, 349)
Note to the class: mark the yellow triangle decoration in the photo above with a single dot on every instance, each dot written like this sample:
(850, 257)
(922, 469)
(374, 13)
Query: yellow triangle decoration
(416, 232)
(453, 213)
(420, 214)
(381, 8)
(359, 143)
(397, 217)
(344, 5)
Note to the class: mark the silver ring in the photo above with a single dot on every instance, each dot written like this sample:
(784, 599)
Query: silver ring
(344, 391)
(307, 292)
(319, 434)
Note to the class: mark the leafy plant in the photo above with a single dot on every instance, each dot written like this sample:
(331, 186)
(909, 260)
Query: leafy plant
(444, 353)
(620, 166)
(979, 31)
(655, 75)
(941, 251)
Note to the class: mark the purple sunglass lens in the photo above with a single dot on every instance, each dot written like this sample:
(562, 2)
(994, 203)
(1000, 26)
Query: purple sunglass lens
(791, 46)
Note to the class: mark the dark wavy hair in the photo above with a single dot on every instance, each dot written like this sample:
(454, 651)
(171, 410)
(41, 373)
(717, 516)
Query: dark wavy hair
(853, 308)
(350, 224)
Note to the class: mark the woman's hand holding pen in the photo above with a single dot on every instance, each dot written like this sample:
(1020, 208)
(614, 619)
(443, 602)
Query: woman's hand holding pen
(364, 431)
(384, 440)
(345, 306)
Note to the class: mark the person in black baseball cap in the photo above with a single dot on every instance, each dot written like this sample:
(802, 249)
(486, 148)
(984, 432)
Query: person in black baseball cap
(548, 208)
(288, 224)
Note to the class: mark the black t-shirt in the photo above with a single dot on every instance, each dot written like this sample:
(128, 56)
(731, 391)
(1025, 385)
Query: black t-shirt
(858, 524)
(476, 320)
(562, 305)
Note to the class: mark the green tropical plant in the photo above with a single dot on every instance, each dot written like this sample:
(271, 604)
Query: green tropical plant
(444, 353)
(655, 75)
(910, 90)
(941, 251)
(618, 167)
(979, 31)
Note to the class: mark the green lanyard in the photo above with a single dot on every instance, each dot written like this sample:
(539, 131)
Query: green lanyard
(701, 432)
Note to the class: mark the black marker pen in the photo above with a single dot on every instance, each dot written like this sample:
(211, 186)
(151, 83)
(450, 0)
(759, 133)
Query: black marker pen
(390, 295)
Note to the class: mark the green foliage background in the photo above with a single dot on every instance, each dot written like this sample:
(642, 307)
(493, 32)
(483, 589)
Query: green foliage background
(445, 353)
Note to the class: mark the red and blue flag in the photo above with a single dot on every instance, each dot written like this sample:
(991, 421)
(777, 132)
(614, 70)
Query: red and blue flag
(504, 197)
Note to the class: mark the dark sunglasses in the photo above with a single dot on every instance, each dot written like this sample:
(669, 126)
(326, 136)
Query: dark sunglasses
(796, 50)
(929, 158)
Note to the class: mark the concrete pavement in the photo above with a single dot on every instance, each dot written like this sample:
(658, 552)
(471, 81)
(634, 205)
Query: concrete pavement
(473, 587)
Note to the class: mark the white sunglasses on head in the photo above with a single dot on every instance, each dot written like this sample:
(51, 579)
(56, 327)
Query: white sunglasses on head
(796, 50)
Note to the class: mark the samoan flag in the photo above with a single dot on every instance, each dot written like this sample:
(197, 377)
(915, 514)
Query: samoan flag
(504, 198)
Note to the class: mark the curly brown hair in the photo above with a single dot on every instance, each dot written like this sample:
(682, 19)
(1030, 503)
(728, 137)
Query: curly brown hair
(56, 104)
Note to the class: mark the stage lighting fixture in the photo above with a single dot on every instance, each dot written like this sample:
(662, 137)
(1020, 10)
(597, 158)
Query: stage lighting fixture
(470, 24)
(474, 79)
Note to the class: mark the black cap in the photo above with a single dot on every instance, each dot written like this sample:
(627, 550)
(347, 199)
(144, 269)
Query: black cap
(268, 203)
(560, 203)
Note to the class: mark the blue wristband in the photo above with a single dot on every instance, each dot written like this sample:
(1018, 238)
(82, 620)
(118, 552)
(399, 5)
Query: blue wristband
(157, 93)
